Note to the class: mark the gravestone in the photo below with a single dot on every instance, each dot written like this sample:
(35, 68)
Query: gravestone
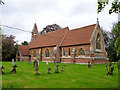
(61, 69)
(36, 69)
(56, 69)
(35, 63)
(14, 69)
(106, 68)
(1, 68)
(38, 63)
(13, 63)
(47, 62)
(49, 70)
(111, 68)
(54, 62)
(89, 65)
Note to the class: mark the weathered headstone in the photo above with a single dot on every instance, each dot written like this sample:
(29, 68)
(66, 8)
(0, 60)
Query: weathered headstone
(14, 69)
(1, 68)
(61, 69)
(56, 69)
(89, 65)
(106, 68)
(38, 63)
(111, 68)
(54, 62)
(49, 70)
(13, 63)
(35, 63)
(47, 62)
(36, 69)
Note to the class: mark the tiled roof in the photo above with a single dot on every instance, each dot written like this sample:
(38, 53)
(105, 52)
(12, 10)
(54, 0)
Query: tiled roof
(48, 39)
(78, 36)
(24, 49)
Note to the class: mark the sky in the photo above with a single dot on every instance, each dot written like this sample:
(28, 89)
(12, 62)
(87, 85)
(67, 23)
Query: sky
(23, 14)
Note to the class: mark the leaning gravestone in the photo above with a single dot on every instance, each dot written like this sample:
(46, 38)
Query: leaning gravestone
(1, 68)
(56, 69)
(49, 70)
(13, 63)
(14, 69)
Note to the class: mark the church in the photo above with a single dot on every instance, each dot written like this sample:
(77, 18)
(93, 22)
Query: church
(78, 46)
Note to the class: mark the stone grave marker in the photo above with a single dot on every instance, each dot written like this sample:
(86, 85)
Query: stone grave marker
(14, 69)
(35, 63)
(13, 63)
(36, 69)
(89, 65)
(47, 62)
(49, 70)
(1, 68)
(61, 69)
(56, 69)
(106, 68)
(38, 63)
(111, 68)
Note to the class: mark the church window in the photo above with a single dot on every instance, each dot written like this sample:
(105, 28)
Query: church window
(34, 53)
(81, 51)
(63, 52)
(47, 53)
(98, 42)
(69, 52)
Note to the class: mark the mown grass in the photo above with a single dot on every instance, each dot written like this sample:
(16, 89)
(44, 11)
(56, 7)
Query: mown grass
(73, 76)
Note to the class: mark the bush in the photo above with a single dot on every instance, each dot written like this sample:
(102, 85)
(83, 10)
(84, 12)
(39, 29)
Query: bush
(118, 64)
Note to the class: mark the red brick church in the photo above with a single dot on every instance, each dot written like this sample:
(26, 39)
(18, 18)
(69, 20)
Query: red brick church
(66, 46)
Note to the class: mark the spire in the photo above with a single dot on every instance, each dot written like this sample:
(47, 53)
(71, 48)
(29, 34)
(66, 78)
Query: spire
(34, 32)
(97, 20)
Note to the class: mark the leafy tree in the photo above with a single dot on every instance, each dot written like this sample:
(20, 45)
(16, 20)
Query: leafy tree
(50, 28)
(24, 43)
(114, 9)
(110, 38)
(1, 2)
(8, 48)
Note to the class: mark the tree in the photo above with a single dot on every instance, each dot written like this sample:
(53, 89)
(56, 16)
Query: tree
(24, 43)
(1, 2)
(114, 9)
(50, 28)
(110, 38)
(8, 48)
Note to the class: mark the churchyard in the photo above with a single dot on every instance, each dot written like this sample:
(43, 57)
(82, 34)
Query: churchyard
(68, 76)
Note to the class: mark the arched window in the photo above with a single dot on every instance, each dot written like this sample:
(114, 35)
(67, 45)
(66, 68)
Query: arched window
(81, 52)
(69, 52)
(63, 52)
(98, 42)
(47, 53)
(34, 53)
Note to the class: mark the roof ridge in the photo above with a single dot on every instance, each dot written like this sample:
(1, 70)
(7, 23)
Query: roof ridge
(55, 31)
(82, 27)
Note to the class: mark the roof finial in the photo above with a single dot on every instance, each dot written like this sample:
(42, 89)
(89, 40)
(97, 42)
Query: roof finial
(97, 20)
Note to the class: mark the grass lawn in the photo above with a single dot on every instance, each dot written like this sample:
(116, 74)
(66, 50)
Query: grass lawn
(73, 76)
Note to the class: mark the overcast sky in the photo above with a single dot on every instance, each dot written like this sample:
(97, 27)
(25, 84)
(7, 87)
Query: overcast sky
(72, 13)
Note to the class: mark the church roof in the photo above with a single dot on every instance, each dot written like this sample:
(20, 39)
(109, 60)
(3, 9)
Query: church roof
(24, 49)
(64, 37)
(78, 36)
(48, 39)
